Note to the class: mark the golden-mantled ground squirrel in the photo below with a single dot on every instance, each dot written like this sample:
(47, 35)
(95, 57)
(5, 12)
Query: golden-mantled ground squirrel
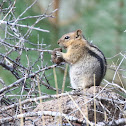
(85, 60)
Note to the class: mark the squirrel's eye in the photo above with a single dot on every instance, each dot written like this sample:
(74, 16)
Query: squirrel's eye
(67, 37)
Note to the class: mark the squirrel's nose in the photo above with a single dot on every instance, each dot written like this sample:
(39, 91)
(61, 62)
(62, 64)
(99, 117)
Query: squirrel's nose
(58, 42)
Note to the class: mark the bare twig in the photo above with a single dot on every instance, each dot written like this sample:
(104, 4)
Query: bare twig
(118, 122)
(121, 121)
(9, 11)
(116, 85)
(60, 95)
(23, 26)
(16, 83)
(40, 113)
(25, 11)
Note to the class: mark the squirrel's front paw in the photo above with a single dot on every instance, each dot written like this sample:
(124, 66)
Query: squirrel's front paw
(58, 54)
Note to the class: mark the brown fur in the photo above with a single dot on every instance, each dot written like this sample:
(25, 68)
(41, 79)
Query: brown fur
(84, 58)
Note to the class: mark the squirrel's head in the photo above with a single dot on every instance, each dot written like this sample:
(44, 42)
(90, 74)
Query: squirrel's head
(69, 38)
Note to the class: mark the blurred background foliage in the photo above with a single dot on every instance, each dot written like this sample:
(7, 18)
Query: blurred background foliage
(102, 22)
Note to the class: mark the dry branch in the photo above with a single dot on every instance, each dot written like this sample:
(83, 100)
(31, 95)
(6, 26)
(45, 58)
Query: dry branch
(65, 116)
(121, 121)
(23, 26)
(16, 83)
(40, 113)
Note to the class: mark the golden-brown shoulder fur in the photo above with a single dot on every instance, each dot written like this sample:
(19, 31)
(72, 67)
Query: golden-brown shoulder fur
(84, 58)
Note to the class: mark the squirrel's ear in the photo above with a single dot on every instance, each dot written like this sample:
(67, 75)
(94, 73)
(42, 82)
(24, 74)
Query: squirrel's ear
(79, 34)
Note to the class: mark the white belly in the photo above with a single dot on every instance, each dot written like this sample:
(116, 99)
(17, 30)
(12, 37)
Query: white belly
(77, 78)
(82, 74)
